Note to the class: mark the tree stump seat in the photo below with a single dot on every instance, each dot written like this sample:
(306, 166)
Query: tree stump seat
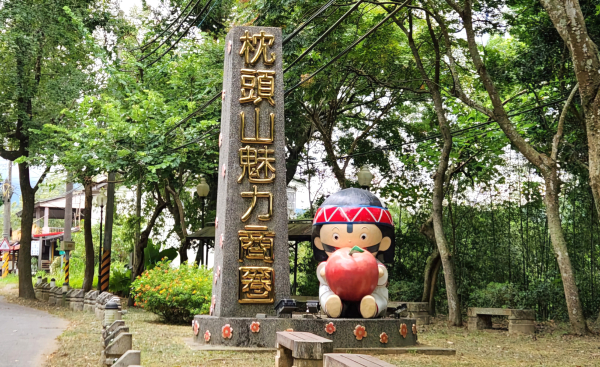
(353, 360)
(300, 349)
(519, 321)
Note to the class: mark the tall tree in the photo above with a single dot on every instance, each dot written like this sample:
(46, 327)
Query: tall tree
(545, 163)
(568, 18)
(439, 178)
(44, 63)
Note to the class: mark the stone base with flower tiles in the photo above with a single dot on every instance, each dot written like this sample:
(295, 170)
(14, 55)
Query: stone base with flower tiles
(214, 331)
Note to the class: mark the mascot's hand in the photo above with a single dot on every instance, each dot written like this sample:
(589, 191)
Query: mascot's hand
(380, 271)
(323, 272)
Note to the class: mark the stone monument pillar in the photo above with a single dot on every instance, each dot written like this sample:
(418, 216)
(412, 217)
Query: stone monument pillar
(251, 269)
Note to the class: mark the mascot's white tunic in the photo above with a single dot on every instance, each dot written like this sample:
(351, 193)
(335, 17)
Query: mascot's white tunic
(353, 217)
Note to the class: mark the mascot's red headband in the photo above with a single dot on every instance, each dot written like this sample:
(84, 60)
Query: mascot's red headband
(353, 214)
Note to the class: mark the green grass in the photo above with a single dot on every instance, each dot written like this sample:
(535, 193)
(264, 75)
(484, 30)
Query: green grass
(75, 282)
(164, 345)
(10, 279)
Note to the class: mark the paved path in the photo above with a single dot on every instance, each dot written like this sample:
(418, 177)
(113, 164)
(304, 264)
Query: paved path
(27, 335)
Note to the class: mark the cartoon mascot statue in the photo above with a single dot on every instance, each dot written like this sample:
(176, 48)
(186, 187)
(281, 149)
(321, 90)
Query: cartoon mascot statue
(353, 236)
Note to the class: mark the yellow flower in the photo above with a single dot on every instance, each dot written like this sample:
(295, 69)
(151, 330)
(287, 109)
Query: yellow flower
(194, 292)
(163, 291)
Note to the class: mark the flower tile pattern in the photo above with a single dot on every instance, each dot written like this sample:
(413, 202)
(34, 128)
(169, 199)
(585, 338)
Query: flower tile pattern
(360, 332)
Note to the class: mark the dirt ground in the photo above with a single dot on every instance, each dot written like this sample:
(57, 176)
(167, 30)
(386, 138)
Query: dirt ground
(165, 345)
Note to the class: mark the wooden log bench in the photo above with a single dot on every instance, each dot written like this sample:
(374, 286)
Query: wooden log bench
(299, 349)
(353, 360)
(519, 321)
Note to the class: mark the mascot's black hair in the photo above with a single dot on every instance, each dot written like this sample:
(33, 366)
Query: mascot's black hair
(356, 197)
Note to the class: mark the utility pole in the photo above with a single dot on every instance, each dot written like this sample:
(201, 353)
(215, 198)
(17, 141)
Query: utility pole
(106, 246)
(7, 193)
(68, 225)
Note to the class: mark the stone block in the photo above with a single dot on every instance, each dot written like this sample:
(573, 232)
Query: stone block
(131, 357)
(119, 346)
(422, 317)
(75, 299)
(474, 311)
(526, 327)
(115, 334)
(112, 327)
(417, 306)
(343, 337)
(521, 315)
(89, 301)
(480, 322)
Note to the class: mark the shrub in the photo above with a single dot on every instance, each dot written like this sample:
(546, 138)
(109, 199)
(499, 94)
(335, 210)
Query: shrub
(120, 279)
(175, 294)
(405, 291)
(498, 295)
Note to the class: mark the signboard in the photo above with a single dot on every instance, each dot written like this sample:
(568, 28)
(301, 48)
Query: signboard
(35, 248)
(252, 254)
(67, 245)
(4, 245)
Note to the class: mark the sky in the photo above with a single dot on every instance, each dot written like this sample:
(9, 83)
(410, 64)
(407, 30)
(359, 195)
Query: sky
(127, 5)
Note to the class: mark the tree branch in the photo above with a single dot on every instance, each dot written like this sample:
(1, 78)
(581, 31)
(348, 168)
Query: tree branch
(561, 124)
(42, 178)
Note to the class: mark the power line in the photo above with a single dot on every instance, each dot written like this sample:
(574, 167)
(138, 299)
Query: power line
(216, 96)
(369, 32)
(437, 136)
(182, 35)
(303, 25)
(147, 44)
(172, 33)
(198, 110)
(206, 135)
(327, 32)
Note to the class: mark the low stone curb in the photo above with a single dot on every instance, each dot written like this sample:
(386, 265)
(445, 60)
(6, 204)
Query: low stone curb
(116, 339)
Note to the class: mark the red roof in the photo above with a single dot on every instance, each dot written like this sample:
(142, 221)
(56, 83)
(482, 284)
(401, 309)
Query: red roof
(47, 234)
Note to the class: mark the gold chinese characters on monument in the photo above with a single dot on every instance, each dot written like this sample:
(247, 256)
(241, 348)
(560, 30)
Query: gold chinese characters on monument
(257, 162)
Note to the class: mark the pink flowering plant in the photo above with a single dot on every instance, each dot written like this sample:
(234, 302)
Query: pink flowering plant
(175, 294)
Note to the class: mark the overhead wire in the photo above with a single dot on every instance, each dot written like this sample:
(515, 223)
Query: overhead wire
(172, 33)
(308, 21)
(287, 39)
(327, 32)
(182, 35)
(437, 136)
(147, 44)
(348, 49)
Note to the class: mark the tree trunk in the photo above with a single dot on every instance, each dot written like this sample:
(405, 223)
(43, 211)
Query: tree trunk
(570, 24)
(432, 268)
(24, 264)
(545, 165)
(138, 265)
(568, 20)
(440, 176)
(454, 313)
(90, 256)
(135, 254)
(559, 244)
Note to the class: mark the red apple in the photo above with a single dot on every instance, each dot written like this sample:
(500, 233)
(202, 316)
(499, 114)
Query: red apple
(352, 273)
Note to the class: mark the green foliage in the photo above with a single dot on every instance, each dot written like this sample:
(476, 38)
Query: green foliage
(406, 291)
(176, 295)
(307, 281)
(497, 295)
(153, 255)
(120, 279)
